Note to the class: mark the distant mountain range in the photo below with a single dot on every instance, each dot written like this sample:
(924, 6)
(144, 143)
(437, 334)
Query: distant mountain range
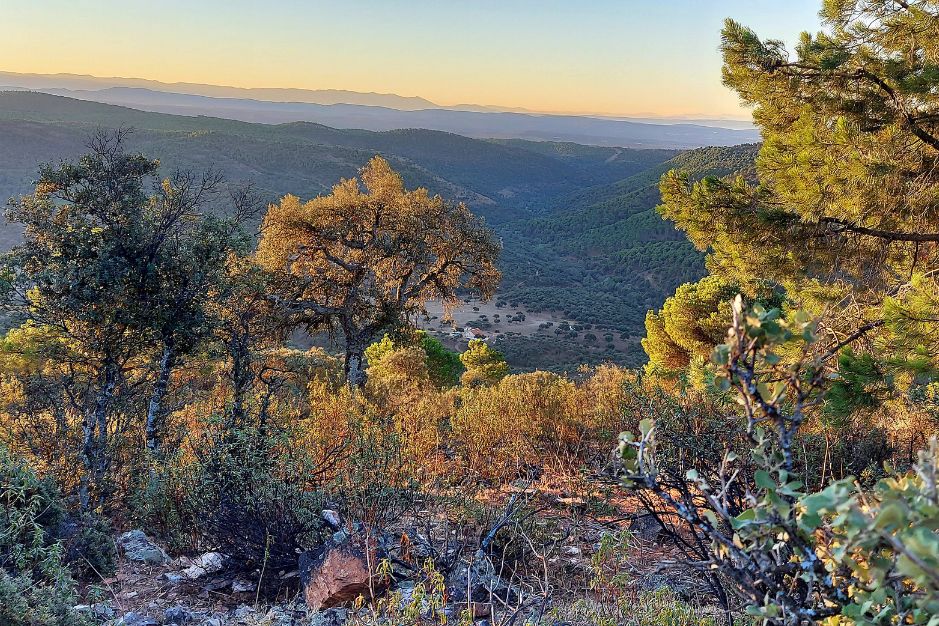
(81, 82)
(379, 112)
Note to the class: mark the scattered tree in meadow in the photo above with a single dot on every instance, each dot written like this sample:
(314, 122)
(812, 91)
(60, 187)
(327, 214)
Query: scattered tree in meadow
(362, 261)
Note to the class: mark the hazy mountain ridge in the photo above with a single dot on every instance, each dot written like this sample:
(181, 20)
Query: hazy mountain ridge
(347, 110)
(42, 82)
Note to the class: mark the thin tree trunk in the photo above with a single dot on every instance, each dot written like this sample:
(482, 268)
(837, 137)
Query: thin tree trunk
(240, 353)
(355, 362)
(95, 440)
(155, 407)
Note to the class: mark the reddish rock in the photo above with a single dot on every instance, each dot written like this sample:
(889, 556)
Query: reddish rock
(334, 575)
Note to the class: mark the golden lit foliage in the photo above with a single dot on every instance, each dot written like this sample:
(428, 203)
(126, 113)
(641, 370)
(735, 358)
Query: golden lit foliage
(484, 365)
(538, 420)
(364, 259)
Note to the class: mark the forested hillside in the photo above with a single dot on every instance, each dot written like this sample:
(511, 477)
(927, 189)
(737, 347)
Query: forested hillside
(174, 451)
(580, 237)
(607, 243)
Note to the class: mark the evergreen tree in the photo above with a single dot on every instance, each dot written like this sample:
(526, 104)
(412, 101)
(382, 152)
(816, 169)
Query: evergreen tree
(845, 215)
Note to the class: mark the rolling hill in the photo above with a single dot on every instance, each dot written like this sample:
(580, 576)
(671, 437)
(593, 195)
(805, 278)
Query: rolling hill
(379, 112)
(580, 234)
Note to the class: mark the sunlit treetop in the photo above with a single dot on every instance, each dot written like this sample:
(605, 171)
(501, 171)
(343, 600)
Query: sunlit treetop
(364, 259)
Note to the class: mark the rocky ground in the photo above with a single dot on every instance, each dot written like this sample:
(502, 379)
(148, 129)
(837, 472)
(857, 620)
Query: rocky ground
(152, 588)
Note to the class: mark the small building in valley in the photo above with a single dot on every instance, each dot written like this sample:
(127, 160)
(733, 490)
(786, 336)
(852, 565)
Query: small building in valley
(474, 333)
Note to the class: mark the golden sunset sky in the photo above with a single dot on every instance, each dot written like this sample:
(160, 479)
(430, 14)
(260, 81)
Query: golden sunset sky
(625, 57)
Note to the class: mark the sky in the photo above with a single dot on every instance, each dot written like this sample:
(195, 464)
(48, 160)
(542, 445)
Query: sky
(615, 57)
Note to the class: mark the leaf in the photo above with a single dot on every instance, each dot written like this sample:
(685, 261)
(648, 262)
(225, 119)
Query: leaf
(711, 517)
(764, 480)
(820, 502)
(890, 516)
(742, 519)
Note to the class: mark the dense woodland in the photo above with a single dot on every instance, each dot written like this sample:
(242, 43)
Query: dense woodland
(774, 461)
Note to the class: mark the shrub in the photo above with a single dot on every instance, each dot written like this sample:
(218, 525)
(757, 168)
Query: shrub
(370, 456)
(251, 492)
(540, 420)
(443, 365)
(484, 365)
(501, 428)
(836, 556)
(36, 587)
(90, 550)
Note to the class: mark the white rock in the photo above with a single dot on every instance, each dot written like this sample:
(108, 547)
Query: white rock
(332, 518)
(208, 563)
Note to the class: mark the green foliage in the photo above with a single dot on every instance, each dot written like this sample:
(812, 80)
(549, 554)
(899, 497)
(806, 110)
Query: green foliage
(601, 255)
(841, 213)
(443, 366)
(368, 256)
(859, 384)
(254, 499)
(91, 551)
(884, 541)
(577, 222)
(682, 334)
(36, 588)
(116, 264)
(484, 365)
(848, 557)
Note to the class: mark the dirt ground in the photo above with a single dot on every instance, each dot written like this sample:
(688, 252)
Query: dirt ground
(532, 325)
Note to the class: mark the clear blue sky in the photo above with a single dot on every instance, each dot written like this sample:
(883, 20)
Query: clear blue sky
(601, 56)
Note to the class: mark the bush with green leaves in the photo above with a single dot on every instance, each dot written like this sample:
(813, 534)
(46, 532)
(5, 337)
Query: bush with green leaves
(842, 555)
(443, 366)
(484, 365)
(253, 501)
(36, 587)
(90, 549)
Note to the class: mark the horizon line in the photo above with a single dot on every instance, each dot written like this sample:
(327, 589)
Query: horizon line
(498, 108)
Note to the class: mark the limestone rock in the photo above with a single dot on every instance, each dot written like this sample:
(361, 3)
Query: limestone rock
(208, 563)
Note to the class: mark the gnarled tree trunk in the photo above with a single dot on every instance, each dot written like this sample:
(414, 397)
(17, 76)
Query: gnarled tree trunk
(355, 361)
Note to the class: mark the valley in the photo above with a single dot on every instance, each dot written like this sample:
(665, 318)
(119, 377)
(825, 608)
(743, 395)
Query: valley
(581, 239)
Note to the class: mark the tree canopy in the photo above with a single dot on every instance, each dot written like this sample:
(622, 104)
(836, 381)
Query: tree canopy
(113, 282)
(362, 260)
(845, 213)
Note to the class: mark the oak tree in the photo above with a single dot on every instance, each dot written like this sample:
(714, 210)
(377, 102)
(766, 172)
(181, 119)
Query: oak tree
(114, 271)
(363, 260)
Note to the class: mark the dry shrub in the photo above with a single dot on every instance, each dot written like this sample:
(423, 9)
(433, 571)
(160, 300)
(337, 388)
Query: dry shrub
(401, 384)
(539, 420)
